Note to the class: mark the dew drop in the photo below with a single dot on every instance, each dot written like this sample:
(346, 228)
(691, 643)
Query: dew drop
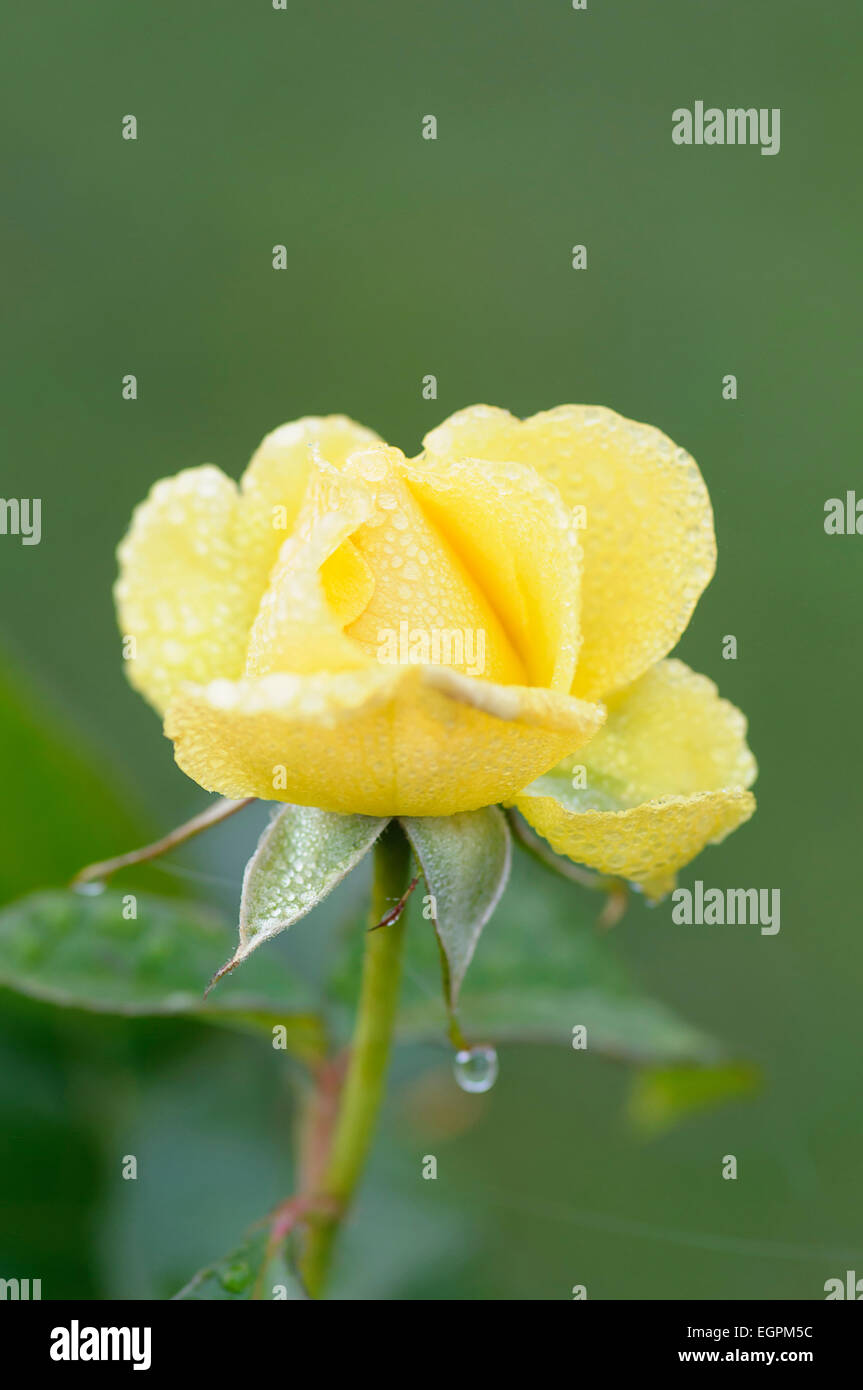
(475, 1068)
(90, 890)
(371, 469)
(236, 1277)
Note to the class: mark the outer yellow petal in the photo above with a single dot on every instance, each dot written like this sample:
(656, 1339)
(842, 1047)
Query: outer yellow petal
(415, 740)
(198, 556)
(648, 542)
(666, 775)
(669, 733)
(511, 530)
(183, 593)
(646, 844)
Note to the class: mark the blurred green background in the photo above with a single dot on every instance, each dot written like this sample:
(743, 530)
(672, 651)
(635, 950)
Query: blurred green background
(408, 257)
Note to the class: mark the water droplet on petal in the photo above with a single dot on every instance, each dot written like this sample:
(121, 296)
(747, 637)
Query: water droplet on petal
(372, 469)
(475, 1068)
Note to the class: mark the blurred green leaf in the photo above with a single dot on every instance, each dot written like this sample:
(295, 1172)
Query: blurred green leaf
(252, 1272)
(540, 969)
(86, 952)
(620, 1024)
(465, 861)
(64, 807)
(661, 1096)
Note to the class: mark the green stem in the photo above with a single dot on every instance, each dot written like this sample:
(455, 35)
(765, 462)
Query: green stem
(364, 1083)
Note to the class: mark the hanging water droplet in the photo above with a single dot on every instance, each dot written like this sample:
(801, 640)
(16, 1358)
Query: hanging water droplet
(236, 1278)
(475, 1068)
(90, 890)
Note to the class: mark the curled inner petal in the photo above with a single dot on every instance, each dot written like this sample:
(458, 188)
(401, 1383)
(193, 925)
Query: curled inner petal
(425, 603)
(511, 530)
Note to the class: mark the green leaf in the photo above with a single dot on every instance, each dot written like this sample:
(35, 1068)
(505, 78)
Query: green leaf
(254, 1271)
(465, 861)
(661, 1096)
(300, 858)
(81, 812)
(539, 972)
(86, 952)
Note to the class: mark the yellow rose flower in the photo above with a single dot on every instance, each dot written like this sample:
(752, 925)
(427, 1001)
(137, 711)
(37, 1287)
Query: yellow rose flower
(357, 631)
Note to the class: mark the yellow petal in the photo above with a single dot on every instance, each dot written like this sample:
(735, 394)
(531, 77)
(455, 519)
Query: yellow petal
(665, 776)
(274, 484)
(670, 733)
(415, 740)
(424, 598)
(299, 625)
(183, 593)
(649, 547)
(513, 534)
(348, 583)
(197, 558)
(646, 844)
